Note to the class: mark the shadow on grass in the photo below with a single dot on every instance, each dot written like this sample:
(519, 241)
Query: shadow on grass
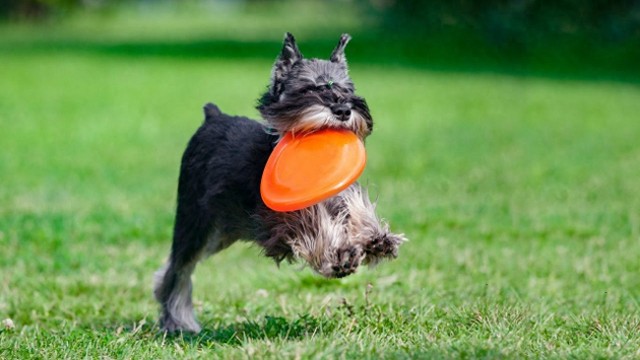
(271, 328)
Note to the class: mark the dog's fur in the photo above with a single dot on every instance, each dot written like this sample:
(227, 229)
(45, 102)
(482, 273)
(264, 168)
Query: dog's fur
(219, 198)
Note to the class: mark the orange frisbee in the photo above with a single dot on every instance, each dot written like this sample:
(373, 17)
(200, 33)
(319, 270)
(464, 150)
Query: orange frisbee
(306, 169)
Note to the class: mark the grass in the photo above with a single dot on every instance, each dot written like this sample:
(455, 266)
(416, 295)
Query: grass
(520, 196)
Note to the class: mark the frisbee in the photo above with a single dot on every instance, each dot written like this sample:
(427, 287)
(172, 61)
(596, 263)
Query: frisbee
(306, 169)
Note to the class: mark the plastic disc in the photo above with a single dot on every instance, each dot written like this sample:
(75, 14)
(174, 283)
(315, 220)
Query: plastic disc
(306, 169)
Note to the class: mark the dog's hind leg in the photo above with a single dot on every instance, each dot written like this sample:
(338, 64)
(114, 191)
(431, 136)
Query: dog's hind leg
(173, 285)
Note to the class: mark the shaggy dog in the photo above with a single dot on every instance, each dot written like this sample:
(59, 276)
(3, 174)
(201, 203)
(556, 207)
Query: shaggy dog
(219, 199)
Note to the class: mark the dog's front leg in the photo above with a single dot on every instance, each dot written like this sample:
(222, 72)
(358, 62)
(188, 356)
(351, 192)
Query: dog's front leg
(317, 235)
(366, 229)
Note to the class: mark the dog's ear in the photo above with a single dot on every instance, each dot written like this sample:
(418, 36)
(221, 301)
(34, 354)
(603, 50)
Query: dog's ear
(289, 55)
(337, 56)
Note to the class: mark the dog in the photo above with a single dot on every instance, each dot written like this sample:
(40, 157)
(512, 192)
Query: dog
(219, 201)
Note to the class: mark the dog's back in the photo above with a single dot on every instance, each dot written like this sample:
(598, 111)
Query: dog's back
(222, 166)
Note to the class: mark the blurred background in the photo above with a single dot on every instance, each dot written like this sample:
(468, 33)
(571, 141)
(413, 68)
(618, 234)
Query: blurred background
(487, 110)
(505, 147)
(596, 37)
(504, 112)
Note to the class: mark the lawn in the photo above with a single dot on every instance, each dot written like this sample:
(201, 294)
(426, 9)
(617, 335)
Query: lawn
(520, 196)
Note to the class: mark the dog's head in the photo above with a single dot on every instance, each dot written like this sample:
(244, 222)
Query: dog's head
(310, 94)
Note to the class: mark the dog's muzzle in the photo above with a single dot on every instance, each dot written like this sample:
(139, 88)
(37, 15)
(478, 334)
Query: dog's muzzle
(342, 112)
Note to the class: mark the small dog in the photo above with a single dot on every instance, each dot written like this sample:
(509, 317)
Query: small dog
(218, 192)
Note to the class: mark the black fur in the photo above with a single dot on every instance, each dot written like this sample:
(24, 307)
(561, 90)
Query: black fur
(220, 178)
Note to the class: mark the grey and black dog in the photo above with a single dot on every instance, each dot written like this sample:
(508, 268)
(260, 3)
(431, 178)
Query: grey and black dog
(219, 198)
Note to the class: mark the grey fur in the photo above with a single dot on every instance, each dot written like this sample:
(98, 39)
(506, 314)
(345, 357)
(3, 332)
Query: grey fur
(177, 311)
(337, 56)
(336, 235)
(302, 87)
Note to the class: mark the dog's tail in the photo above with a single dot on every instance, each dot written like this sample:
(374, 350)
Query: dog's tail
(211, 111)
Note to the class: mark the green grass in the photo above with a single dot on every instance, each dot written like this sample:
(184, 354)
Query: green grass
(520, 196)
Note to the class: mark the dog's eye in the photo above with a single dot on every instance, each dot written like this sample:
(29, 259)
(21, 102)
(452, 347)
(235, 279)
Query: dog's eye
(308, 89)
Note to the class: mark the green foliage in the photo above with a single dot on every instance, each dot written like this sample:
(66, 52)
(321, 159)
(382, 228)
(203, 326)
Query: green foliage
(36, 9)
(519, 194)
(515, 20)
(570, 34)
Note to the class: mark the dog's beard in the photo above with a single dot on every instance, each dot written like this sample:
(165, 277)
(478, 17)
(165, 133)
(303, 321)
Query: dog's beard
(318, 117)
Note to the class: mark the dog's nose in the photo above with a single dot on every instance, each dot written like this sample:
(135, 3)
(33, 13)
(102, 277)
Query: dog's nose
(341, 111)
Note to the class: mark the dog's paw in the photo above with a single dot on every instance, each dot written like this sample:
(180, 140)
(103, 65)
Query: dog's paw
(170, 324)
(348, 259)
(384, 246)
